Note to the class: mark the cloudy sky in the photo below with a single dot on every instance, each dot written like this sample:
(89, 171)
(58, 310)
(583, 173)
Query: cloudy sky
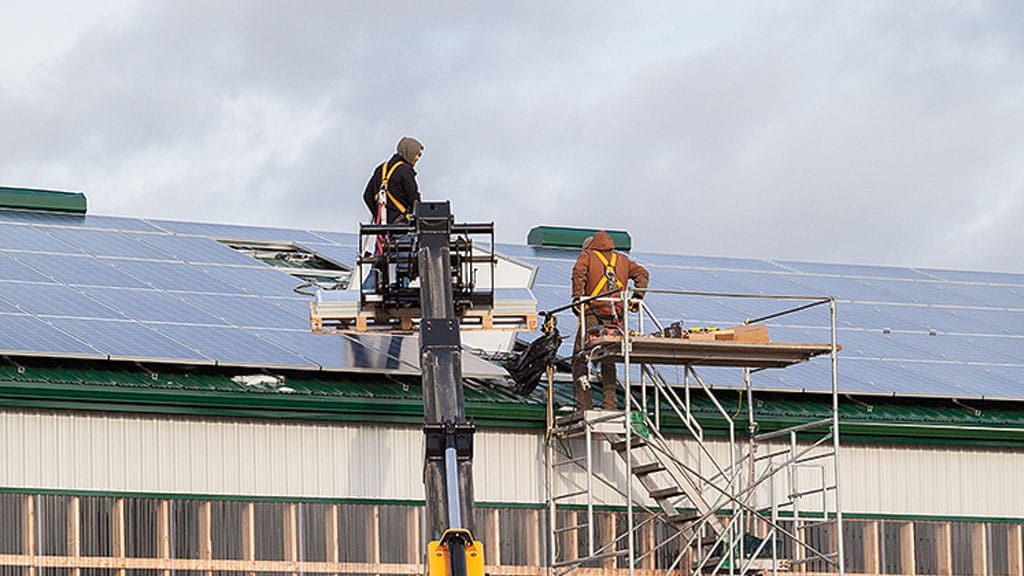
(857, 132)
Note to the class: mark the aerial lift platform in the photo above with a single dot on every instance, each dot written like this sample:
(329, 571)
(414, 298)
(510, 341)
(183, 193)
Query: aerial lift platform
(422, 275)
(386, 292)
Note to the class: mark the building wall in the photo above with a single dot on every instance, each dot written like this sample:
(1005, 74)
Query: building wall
(163, 455)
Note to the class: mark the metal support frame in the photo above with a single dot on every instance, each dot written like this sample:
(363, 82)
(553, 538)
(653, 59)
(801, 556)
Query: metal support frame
(715, 493)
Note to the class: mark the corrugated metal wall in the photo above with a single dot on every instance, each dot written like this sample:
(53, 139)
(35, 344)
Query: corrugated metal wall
(103, 452)
(145, 454)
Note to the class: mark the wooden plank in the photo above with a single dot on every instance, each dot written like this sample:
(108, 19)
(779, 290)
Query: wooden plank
(533, 542)
(1015, 550)
(907, 548)
(571, 538)
(74, 530)
(607, 536)
(415, 549)
(799, 552)
(373, 536)
(206, 533)
(28, 530)
(979, 549)
(291, 533)
(163, 532)
(117, 532)
(331, 533)
(646, 544)
(682, 351)
(492, 538)
(871, 547)
(944, 547)
(249, 533)
(262, 566)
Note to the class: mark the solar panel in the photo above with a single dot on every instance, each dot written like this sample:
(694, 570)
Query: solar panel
(339, 238)
(852, 270)
(552, 272)
(994, 296)
(54, 300)
(691, 261)
(890, 377)
(1016, 279)
(31, 238)
(253, 311)
(7, 308)
(957, 348)
(151, 305)
(28, 335)
(195, 250)
(128, 340)
(931, 293)
(845, 289)
(171, 276)
(231, 346)
(108, 243)
(1001, 322)
(75, 220)
(880, 316)
(263, 281)
(80, 270)
(12, 269)
(236, 231)
(334, 352)
(520, 252)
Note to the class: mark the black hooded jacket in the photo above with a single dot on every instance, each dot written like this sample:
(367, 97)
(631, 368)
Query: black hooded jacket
(402, 186)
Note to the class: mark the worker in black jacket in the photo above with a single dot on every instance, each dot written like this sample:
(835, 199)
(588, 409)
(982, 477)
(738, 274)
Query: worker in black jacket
(392, 187)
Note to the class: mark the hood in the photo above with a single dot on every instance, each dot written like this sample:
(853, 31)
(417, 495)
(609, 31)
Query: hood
(602, 242)
(408, 148)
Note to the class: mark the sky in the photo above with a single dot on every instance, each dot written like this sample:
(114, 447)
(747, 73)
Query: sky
(865, 132)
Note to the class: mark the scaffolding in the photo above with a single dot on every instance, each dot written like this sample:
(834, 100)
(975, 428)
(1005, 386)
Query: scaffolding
(738, 502)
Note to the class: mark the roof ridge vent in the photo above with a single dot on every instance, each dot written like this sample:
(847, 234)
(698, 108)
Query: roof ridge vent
(39, 199)
(566, 237)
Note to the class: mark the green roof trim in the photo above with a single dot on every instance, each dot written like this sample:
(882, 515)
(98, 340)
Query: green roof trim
(574, 237)
(37, 199)
(329, 396)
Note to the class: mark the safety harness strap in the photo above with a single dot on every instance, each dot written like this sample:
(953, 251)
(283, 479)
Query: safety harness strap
(609, 273)
(385, 177)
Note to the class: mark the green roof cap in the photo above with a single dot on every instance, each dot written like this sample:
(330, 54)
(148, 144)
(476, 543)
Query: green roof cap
(574, 237)
(35, 199)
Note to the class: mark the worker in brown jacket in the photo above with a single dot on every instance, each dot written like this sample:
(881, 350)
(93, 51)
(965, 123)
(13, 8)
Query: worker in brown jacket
(599, 269)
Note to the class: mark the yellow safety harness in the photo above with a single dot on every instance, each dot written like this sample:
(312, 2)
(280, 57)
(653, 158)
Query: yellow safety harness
(385, 176)
(609, 273)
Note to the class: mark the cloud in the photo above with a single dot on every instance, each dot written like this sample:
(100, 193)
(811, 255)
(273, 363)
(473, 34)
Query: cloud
(861, 132)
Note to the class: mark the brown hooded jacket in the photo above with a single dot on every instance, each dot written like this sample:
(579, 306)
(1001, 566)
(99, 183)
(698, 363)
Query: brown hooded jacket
(589, 270)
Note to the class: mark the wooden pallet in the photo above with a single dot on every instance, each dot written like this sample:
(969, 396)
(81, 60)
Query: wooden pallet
(408, 319)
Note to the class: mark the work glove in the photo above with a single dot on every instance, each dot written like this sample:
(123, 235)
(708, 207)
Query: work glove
(634, 306)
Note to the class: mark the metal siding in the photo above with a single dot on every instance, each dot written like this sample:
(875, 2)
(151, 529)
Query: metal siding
(932, 480)
(78, 452)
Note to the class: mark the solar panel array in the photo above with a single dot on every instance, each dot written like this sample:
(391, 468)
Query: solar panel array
(904, 331)
(152, 290)
(159, 291)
